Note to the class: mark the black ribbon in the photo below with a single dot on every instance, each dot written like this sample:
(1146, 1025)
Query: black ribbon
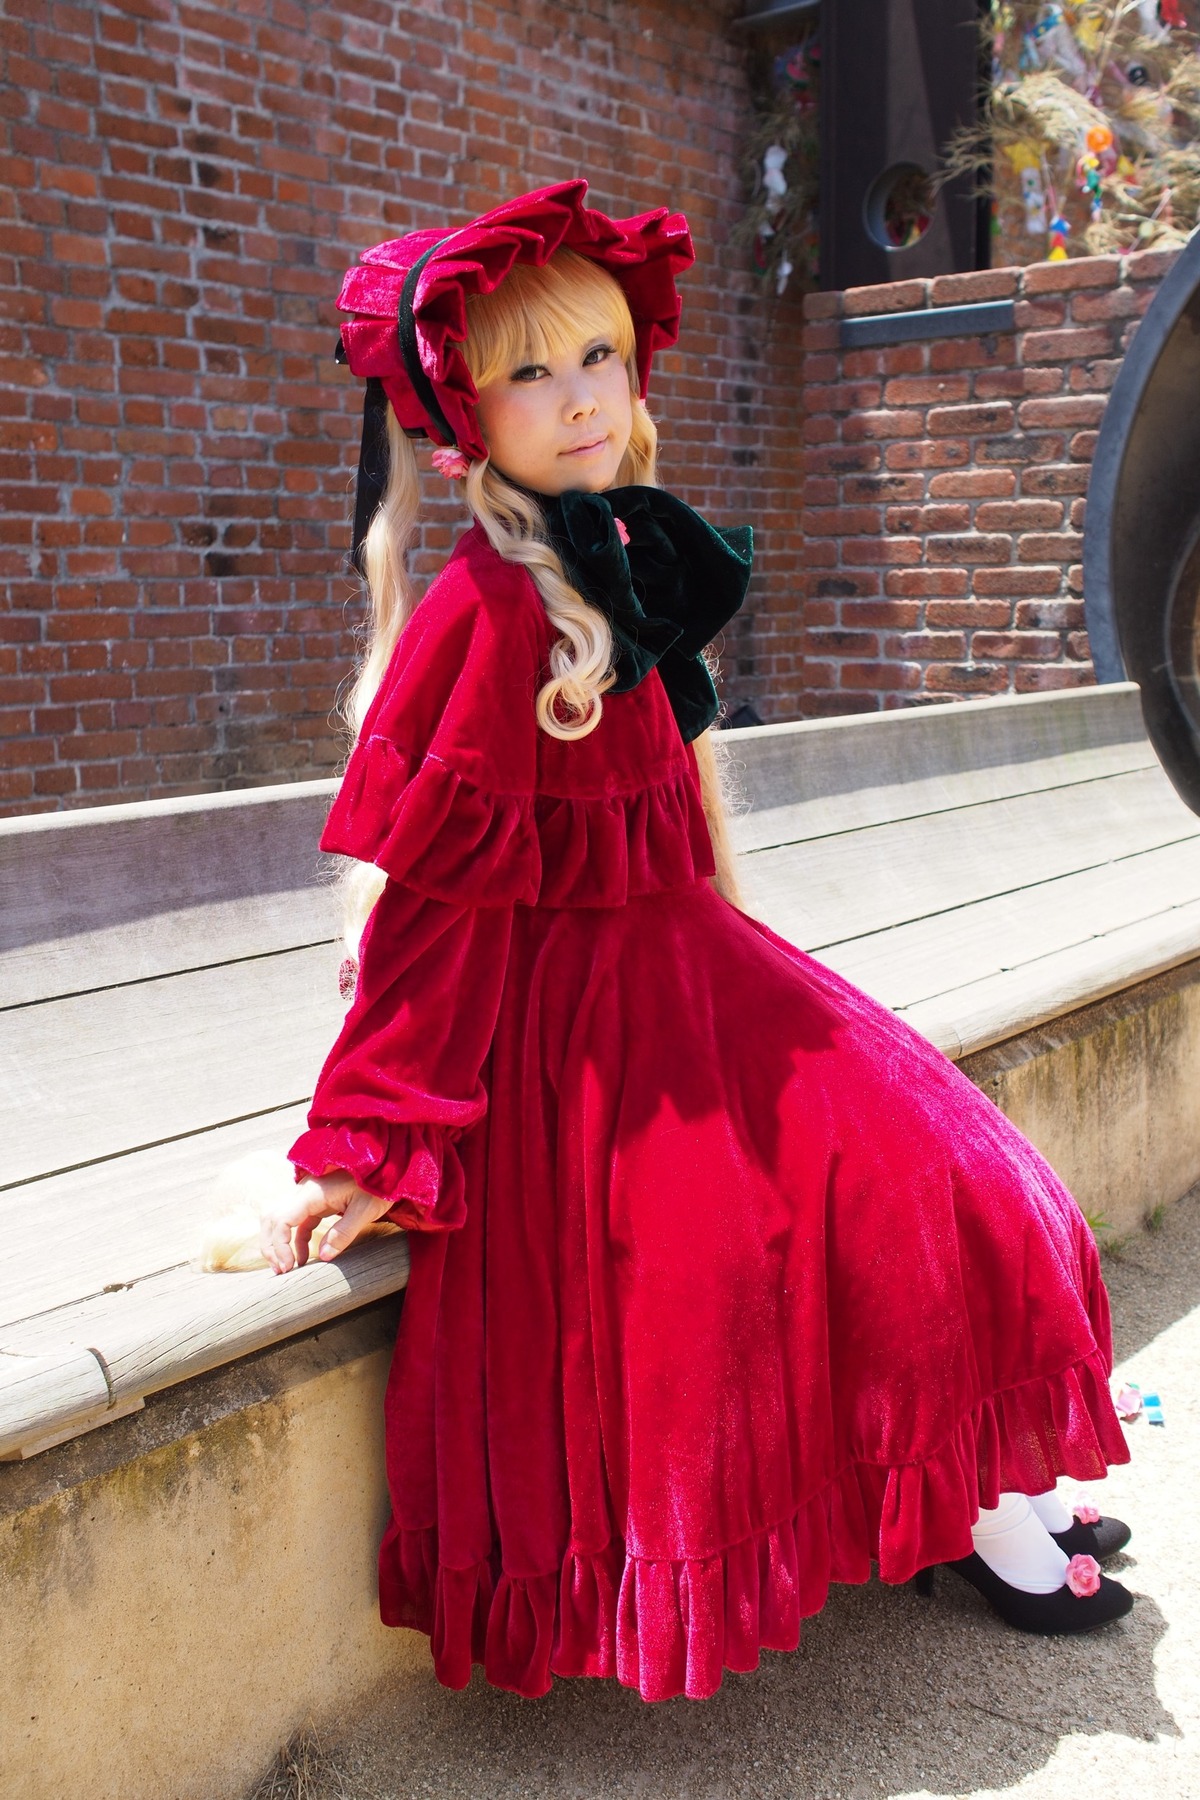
(666, 594)
(373, 446)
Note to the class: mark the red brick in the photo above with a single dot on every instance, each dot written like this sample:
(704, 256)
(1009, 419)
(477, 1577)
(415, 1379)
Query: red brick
(1089, 309)
(1019, 515)
(1055, 478)
(1061, 412)
(938, 646)
(1049, 679)
(921, 582)
(970, 421)
(1016, 580)
(969, 547)
(1064, 346)
(921, 519)
(1043, 547)
(1150, 265)
(886, 422)
(973, 484)
(972, 613)
(1008, 646)
(967, 290)
(926, 390)
(822, 306)
(955, 678)
(1076, 272)
(895, 296)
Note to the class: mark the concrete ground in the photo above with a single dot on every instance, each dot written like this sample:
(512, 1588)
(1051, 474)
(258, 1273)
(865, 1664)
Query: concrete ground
(888, 1694)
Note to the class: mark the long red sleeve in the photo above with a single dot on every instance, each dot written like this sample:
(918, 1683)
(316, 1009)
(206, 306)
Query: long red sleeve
(402, 1081)
(439, 793)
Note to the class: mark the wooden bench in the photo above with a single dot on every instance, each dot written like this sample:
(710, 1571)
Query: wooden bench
(1015, 876)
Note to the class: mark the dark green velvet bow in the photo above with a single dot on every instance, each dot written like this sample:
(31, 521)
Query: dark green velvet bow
(667, 593)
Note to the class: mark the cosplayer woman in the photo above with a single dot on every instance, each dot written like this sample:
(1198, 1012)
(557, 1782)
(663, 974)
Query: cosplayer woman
(725, 1283)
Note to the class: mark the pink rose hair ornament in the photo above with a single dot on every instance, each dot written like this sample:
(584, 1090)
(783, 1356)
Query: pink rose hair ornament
(408, 304)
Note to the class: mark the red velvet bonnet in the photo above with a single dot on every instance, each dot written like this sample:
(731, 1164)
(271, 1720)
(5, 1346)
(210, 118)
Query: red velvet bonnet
(408, 297)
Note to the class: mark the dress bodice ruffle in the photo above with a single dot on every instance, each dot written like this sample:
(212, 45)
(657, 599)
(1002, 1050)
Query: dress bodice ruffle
(454, 788)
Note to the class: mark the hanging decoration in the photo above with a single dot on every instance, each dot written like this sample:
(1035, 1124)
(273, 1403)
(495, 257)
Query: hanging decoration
(1090, 138)
(780, 170)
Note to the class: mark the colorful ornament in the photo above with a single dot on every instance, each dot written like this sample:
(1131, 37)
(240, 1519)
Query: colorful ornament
(774, 179)
(1034, 196)
(1172, 16)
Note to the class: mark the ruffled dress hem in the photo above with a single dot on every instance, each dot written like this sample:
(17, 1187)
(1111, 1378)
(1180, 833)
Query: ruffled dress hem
(671, 1627)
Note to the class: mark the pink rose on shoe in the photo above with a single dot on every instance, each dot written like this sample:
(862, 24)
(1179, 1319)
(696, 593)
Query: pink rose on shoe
(1087, 1515)
(452, 464)
(1083, 1576)
(1129, 1401)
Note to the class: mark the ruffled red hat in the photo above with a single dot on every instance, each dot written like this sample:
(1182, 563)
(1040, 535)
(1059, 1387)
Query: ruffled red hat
(408, 297)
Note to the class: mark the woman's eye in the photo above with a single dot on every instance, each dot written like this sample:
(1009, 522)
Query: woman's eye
(530, 372)
(598, 354)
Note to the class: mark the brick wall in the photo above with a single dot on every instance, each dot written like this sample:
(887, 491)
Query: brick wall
(945, 485)
(181, 187)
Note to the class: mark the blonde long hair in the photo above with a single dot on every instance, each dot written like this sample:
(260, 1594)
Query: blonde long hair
(535, 313)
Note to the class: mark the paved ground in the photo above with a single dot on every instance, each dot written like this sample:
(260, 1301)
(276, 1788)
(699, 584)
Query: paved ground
(889, 1694)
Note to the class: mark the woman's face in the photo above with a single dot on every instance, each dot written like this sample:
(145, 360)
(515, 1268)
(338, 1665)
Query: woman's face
(560, 424)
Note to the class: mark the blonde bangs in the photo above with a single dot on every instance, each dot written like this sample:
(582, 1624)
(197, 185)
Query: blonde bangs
(539, 313)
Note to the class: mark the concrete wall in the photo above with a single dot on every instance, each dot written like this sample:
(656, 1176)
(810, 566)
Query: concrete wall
(1111, 1096)
(184, 1589)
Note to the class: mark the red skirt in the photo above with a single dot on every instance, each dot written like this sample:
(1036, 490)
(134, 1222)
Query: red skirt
(755, 1288)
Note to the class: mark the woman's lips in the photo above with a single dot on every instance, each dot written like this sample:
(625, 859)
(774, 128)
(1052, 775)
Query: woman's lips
(583, 449)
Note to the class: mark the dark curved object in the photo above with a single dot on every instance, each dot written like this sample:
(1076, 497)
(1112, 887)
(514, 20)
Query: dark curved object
(1141, 546)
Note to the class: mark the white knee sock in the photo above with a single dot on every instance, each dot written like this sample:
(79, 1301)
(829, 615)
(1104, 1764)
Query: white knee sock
(1015, 1544)
(1052, 1510)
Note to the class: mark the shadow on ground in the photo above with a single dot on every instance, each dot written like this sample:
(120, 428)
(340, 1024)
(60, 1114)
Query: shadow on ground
(888, 1694)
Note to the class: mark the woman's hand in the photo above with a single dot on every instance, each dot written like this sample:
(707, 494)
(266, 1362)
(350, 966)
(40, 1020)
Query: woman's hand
(286, 1231)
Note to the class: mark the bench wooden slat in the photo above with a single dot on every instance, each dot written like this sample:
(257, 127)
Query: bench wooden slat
(192, 937)
(1000, 1006)
(70, 1236)
(43, 1395)
(811, 759)
(953, 949)
(836, 888)
(94, 1076)
(67, 879)
(179, 1324)
(890, 802)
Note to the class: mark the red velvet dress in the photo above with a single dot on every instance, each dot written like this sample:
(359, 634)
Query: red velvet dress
(724, 1281)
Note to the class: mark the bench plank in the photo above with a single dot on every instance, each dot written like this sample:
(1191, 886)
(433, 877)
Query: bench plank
(962, 945)
(835, 888)
(885, 801)
(117, 1223)
(79, 888)
(176, 1325)
(1001, 1006)
(89, 1077)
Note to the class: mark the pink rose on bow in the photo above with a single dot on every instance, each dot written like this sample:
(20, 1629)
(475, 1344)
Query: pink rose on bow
(622, 532)
(1083, 1576)
(452, 463)
(1087, 1515)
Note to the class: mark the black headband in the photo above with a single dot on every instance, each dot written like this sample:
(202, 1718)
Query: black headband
(373, 448)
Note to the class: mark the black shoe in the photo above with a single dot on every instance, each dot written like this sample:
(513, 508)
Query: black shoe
(1101, 1540)
(1046, 1614)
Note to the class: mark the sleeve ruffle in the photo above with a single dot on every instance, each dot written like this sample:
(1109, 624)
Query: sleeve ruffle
(414, 1165)
(424, 823)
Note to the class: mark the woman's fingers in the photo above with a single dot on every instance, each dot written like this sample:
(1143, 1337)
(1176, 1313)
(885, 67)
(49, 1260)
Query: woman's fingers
(362, 1210)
